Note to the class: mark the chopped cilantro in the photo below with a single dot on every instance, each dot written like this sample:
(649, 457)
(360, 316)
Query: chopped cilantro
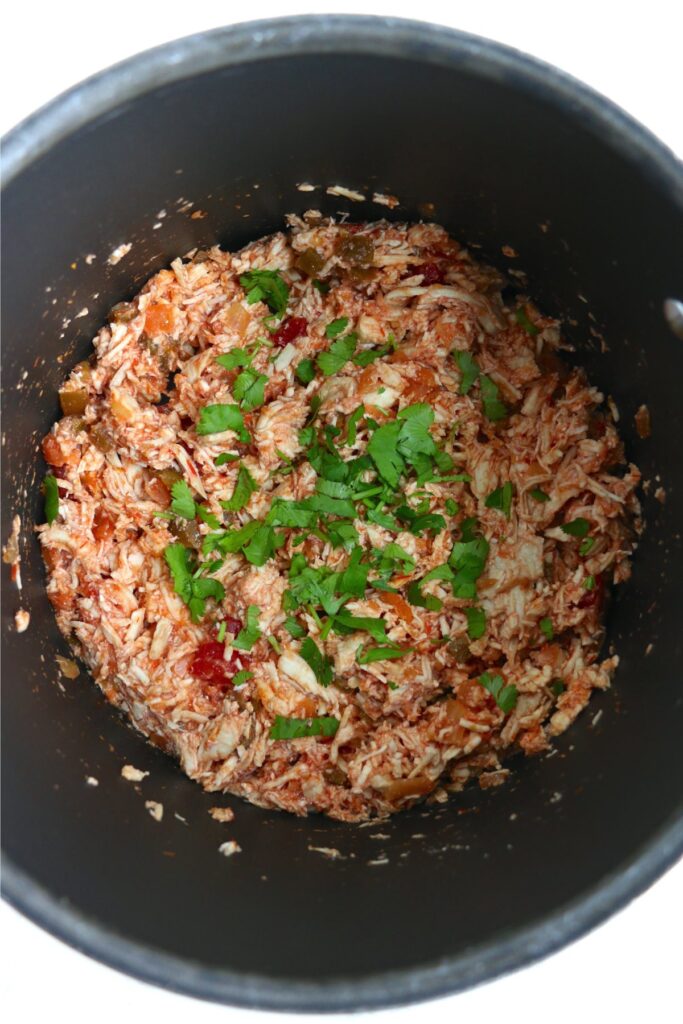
(298, 728)
(468, 559)
(578, 527)
(501, 499)
(249, 634)
(589, 583)
(494, 408)
(275, 644)
(266, 286)
(504, 696)
(523, 320)
(383, 450)
(321, 286)
(294, 628)
(290, 513)
(546, 627)
(234, 358)
(586, 546)
(369, 355)
(51, 497)
(476, 622)
(452, 507)
(191, 590)
(336, 327)
(249, 389)
(224, 457)
(367, 656)
(557, 687)
(241, 677)
(208, 517)
(418, 523)
(244, 488)
(319, 662)
(351, 424)
(261, 546)
(305, 371)
(183, 503)
(337, 355)
(354, 578)
(367, 623)
(214, 419)
(538, 495)
(469, 370)
(222, 630)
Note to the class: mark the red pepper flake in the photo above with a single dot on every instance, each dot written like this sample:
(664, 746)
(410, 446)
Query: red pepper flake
(209, 664)
(291, 329)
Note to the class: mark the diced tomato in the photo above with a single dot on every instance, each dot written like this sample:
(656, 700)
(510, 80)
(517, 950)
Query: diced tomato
(290, 329)
(232, 625)
(432, 273)
(159, 319)
(209, 665)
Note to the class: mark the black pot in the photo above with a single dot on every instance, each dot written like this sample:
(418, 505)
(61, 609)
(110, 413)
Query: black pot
(511, 153)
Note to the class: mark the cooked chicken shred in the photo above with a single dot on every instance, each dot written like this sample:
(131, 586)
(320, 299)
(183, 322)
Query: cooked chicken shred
(458, 506)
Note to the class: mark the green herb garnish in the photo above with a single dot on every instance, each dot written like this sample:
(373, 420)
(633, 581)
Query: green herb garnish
(183, 503)
(469, 370)
(249, 389)
(476, 622)
(319, 662)
(337, 355)
(298, 728)
(523, 320)
(546, 627)
(305, 371)
(214, 419)
(501, 499)
(51, 497)
(266, 286)
(244, 488)
(366, 656)
(538, 495)
(504, 696)
(241, 677)
(249, 634)
(336, 327)
(494, 408)
(577, 527)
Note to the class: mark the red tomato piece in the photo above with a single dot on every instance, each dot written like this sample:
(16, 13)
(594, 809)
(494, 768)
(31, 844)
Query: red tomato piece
(290, 329)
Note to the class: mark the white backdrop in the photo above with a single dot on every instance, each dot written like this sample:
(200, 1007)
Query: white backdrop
(629, 967)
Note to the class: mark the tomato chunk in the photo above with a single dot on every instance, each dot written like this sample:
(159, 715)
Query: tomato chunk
(432, 273)
(290, 329)
(209, 665)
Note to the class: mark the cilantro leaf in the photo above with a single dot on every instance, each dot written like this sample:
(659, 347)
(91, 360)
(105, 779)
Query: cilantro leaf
(214, 419)
(476, 622)
(261, 546)
(468, 558)
(305, 371)
(249, 389)
(266, 286)
(365, 656)
(298, 728)
(586, 546)
(578, 527)
(538, 495)
(383, 450)
(494, 408)
(420, 600)
(51, 497)
(522, 318)
(244, 488)
(504, 696)
(290, 513)
(351, 423)
(241, 677)
(546, 627)
(178, 560)
(418, 523)
(315, 659)
(469, 370)
(354, 578)
(183, 503)
(368, 623)
(337, 355)
(557, 687)
(501, 499)
(294, 628)
(452, 507)
(330, 506)
(336, 327)
(369, 355)
(224, 457)
(249, 634)
(208, 517)
(234, 358)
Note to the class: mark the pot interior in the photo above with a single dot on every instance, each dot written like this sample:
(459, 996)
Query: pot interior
(504, 163)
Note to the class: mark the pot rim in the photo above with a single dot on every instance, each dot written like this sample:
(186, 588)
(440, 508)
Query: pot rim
(409, 40)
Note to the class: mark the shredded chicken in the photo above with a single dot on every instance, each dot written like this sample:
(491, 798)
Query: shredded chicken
(459, 501)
